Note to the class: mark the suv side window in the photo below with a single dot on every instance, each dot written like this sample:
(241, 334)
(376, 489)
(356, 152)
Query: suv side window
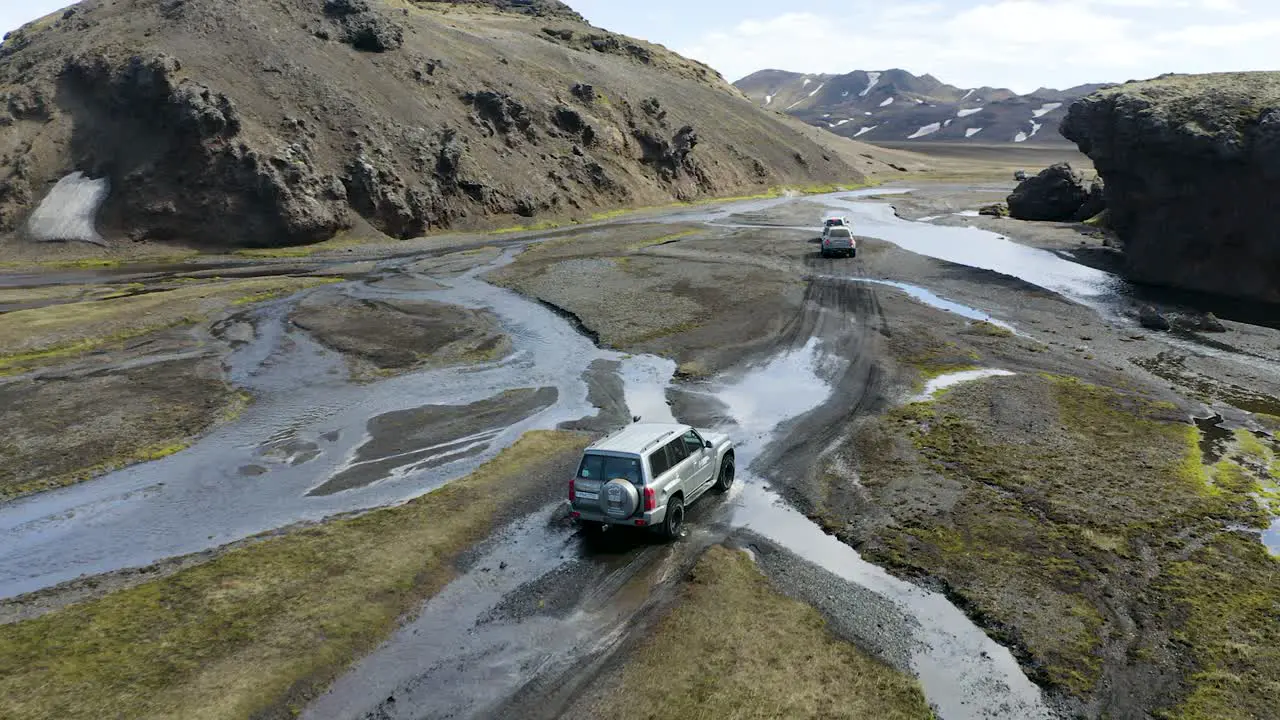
(677, 451)
(693, 442)
(658, 462)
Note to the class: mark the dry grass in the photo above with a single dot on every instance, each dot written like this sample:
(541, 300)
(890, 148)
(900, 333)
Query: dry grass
(736, 648)
(42, 335)
(258, 630)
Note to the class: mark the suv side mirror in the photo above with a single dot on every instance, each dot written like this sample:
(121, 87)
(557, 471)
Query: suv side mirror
(708, 445)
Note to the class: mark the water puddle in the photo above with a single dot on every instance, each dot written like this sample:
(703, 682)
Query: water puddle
(1214, 439)
(785, 387)
(645, 380)
(933, 300)
(942, 382)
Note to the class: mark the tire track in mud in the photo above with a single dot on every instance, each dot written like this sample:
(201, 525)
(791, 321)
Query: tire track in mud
(860, 389)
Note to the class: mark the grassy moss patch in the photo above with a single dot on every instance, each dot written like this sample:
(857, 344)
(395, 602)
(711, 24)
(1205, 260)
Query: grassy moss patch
(736, 648)
(262, 627)
(51, 334)
(1053, 529)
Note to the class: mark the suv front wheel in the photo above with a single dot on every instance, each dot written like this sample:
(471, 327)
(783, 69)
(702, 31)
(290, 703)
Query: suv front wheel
(725, 481)
(671, 524)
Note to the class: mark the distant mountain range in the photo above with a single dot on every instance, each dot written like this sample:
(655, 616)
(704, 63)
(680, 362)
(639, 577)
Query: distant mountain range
(894, 105)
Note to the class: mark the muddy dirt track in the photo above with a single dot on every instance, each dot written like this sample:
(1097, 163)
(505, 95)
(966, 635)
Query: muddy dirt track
(419, 368)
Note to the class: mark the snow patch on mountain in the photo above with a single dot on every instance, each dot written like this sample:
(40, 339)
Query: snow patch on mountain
(862, 131)
(967, 113)
(1045, 109)
(929, 129)
(971, 132)
(887, 102)
(872, 79)
(815, 90)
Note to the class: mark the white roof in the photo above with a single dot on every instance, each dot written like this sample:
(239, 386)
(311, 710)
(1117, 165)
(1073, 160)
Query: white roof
(639, 437)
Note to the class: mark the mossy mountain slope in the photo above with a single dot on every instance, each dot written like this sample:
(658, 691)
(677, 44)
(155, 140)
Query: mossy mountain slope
(278, 122)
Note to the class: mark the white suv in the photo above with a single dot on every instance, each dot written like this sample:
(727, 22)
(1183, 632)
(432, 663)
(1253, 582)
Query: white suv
(646, 474)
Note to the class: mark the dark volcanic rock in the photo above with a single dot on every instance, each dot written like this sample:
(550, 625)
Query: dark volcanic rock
(1094, 203)
(1057, 193)
(1192, 170)
(1152, 319)
(363, 28)
(174, 143)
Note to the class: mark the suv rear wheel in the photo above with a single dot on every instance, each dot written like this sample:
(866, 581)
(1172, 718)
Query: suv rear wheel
(670, 529)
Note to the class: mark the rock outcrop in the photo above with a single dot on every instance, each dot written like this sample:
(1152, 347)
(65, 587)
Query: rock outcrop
(1192, 170)
(282, 122)
(1057, 193)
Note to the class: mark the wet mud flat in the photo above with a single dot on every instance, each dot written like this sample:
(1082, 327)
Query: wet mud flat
(386, 336)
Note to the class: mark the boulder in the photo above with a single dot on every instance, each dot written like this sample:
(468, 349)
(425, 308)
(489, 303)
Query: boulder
(1201, 322)
(1094, 203)
(1056, 194)
(1192, 170)
(1151, 319)
(994, 210)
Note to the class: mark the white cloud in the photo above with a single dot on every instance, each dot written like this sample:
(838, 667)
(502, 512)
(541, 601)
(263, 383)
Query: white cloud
(1022, 44)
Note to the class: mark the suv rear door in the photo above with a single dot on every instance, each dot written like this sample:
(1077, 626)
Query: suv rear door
(703, 471)
(672, 470)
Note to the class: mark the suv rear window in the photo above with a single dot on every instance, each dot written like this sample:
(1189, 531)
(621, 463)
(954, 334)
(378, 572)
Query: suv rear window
(838, 232)
(608, 467)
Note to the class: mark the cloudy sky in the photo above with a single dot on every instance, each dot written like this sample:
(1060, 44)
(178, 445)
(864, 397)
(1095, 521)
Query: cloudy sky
(1021, 44)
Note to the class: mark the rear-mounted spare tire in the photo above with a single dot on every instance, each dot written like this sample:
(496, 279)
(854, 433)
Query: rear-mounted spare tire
(619, 499)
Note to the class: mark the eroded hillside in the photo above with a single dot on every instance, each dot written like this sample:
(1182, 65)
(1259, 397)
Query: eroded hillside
(271, 123)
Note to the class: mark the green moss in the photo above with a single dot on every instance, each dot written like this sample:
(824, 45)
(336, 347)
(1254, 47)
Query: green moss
(133, 457)
(659, 333)
(1042, 534)
(610, 214)
(1222, 600)
(534, 227)
(989, 329)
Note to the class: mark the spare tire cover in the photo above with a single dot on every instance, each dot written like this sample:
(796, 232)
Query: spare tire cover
(619, 498)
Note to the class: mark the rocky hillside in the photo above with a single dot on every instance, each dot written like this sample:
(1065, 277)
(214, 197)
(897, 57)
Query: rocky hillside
(894, 105)
(1192, 170)
(275, 122)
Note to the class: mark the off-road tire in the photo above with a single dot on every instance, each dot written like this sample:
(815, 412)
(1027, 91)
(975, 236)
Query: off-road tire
(724, 480)
(674, 520)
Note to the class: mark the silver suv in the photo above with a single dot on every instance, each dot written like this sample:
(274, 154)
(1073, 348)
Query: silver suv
(646, 474)
(838, 239)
